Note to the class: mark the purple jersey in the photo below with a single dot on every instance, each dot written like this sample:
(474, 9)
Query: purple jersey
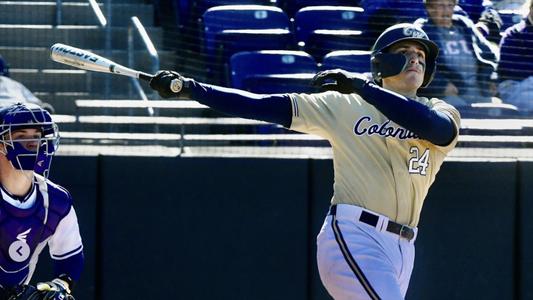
(24, 232)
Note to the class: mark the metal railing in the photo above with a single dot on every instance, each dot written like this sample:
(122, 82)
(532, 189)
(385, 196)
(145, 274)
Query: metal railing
(137, 25)
(59, 12)
(98, 12)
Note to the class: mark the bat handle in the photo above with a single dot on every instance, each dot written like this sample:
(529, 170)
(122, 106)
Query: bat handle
(145, 76)
(175, 85)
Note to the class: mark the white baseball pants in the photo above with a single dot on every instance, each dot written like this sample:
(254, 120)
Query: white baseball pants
(360, 261)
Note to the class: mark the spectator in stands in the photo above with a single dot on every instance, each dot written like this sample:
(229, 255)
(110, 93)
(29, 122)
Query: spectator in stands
(12, 91)
(515, 68)
(490, 24)
(467, 60)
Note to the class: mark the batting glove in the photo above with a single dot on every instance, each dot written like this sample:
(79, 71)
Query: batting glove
(170, 84)
(57, 289)
(340, 81)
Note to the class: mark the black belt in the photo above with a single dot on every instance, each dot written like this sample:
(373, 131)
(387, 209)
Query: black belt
(372, 220)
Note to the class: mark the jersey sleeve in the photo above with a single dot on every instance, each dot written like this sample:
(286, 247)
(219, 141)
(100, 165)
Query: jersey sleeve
(66, 241)
(316, 113)
(454, 115)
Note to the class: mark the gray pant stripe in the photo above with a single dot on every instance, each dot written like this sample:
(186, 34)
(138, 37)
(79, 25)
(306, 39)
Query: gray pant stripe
(351, 261)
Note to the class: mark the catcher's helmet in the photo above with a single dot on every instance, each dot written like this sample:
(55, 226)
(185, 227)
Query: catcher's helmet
(22, 116)
(384, 64)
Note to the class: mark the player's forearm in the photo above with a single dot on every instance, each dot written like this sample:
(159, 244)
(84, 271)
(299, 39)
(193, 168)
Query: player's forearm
(269, 108)
(427, 123)
(72, 266)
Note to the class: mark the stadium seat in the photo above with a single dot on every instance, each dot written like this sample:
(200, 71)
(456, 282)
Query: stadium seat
(509, 18)
(292, 6)
(278, 71)
(349, 60)
(233, 28)
(199, 7)
(219, 18)
(339, 28)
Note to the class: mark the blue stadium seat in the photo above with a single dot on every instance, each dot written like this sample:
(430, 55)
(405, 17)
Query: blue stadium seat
(292, 6)
(199, 7)
(219, 18)
(233, 28)
(349, 60)
(322, 29)
(509, 18)
(274, 71)
(309, 19)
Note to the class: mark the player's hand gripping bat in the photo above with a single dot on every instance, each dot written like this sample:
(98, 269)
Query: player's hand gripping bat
(86, 60)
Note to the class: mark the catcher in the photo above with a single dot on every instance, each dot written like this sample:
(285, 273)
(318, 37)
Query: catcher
(34, 212)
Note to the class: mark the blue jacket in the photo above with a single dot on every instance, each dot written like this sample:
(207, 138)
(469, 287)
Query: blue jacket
(486, 54)
(516, 52)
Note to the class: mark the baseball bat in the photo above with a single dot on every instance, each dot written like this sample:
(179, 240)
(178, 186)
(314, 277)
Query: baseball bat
(86, 60)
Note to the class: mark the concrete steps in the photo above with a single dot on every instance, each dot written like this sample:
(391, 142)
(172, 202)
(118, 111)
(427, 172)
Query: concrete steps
(28, 29)
(85, 37)
(146, 124)
(73, 13)
(73, 80)
(39, 58)
(162, 108)
(63, 102)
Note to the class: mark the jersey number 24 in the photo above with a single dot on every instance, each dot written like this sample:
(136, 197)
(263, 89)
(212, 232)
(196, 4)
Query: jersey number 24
(418, 164)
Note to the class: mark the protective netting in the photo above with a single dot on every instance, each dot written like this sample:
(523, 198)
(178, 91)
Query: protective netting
(263, 46)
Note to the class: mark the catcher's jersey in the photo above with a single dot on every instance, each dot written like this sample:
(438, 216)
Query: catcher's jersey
(25, 231)
(378, 164)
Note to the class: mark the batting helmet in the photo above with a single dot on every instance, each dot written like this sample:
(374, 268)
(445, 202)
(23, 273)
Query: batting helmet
(384, 64)
(23, 116)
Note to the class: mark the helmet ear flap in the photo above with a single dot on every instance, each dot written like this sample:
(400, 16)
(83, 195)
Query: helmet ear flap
(387, 64)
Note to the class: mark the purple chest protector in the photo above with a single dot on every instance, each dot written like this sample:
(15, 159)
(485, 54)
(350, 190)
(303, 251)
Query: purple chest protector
(23, 235)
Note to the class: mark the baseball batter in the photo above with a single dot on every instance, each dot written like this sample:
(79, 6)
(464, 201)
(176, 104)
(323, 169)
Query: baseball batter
(34, 212)
(388, 145)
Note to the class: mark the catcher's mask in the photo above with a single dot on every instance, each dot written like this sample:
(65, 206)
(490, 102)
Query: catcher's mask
(31, 152)
(385, 64)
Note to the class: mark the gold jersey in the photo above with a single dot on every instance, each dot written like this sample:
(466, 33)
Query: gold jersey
(378, 164)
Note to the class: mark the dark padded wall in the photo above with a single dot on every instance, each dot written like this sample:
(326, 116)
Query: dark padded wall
(239, 228)
(188, 228)
(321, 191)
(524, 257)
(466, 242)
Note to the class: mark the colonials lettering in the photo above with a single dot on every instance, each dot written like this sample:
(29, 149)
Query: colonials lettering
(365, 126)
